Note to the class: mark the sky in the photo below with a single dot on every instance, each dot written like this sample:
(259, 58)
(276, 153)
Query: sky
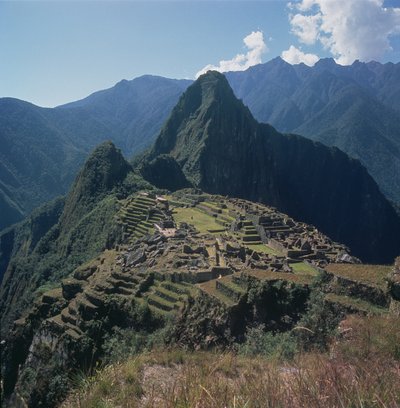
(54, 52)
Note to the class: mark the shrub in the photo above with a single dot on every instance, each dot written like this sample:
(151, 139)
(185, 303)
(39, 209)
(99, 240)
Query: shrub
(258, 342)
(317, 327)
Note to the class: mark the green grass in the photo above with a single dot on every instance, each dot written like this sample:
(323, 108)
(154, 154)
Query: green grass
(178, 288)
(234, 287)
(48, 286)
(212, 206)
(264, 249)
(370, 274)
(210, 288)
(201, 221)
(303, 268)
(356, 303)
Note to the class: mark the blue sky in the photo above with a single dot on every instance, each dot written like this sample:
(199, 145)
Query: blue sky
(53, 52)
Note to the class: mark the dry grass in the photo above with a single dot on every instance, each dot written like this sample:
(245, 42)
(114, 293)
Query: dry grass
(360, 371)
(370, 274)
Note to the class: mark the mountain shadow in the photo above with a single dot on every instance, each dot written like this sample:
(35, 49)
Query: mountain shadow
(222, 149)
(355, 108)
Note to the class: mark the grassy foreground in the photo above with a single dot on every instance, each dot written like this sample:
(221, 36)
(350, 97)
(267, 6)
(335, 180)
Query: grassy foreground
(362, 369)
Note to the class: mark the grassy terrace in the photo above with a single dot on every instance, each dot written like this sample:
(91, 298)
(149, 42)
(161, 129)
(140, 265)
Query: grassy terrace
(355, 303)
(201, 221)
(264, 249)
(303, 268)
(210, 288)
(167, 296)
(211, 205)
(303, 279)
(370, 274)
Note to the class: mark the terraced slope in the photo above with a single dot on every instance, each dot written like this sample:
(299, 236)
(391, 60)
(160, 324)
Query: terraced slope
(138, 216)
(167, 296)
(203, 273)
(221, 149)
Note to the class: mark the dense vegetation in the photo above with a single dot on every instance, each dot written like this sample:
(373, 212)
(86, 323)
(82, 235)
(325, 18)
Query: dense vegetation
(223, 150)
(43, 149)
(355, 108)
(57, 238)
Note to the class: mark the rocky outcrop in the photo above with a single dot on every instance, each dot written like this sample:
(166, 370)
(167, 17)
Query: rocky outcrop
(394, 288)
(164, 172)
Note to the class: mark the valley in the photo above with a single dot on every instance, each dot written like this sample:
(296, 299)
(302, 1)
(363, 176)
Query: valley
(224, 236)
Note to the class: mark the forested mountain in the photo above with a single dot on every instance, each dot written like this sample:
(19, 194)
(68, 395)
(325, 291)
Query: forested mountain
(352, 107)
(62, 234)
(42, 149)
(355, 108)
(223, 150)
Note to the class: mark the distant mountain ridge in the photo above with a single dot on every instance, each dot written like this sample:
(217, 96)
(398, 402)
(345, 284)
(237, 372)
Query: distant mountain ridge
(352, 107)
(42, 149)
(134, 110)
(223, 150)
(355, 108)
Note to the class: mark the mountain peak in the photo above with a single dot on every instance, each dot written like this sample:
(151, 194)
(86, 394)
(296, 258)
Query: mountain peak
(104, 167)
(326, 63)
(221, 149)
(212, 83)
(102, 171)
(278, 61)
(207, 101)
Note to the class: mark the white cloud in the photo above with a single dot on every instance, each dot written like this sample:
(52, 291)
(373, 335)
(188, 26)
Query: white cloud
(295, 56)
(256, 48)
(349, 29)
(306, 27)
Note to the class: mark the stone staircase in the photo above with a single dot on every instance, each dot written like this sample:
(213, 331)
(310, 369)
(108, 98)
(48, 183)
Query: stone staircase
(249, 234)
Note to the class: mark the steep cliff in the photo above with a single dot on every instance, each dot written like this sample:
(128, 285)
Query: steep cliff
(222, 149)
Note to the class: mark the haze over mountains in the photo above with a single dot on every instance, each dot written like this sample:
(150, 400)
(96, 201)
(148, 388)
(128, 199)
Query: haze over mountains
(354, 108)
(43, 149)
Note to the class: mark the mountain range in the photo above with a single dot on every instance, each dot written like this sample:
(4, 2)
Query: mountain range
(42, 149)
(352, 107)
(221, 149)
(210, 141)
(120, 256)
(355, 108)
